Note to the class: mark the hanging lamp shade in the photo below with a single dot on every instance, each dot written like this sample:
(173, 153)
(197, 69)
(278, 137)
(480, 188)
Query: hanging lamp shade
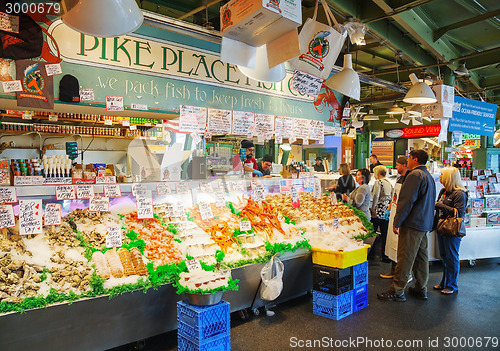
(391, 120)
(395, 110)
(262, 72)
(461, 70)
(419, 93)
(416, 110)
(346, 81)
(370, 117)
(109, 18)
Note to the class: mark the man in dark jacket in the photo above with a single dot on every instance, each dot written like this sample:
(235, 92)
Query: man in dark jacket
(413, 220)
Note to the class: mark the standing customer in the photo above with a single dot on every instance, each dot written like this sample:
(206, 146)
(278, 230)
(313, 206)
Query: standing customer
(319, 166)
(345, 184)
(391, 245)
(381, 194)
(374, 162)
(361, 197)
(413, 220)
(451, 198)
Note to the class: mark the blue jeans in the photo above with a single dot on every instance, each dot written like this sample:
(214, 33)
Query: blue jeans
(448, 249)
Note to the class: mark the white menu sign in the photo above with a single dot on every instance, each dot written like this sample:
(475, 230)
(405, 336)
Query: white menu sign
(192, 119)
(11, 86)
(263, 124)
(163, 189)
(205, 211)
(220, 199)
(84, 191)
(301, 128)
(243, 123)
(113, 236)
(7, 218)
(182, 188)
(8, 194)
(306, 83)
(219, 121)
(317, 131)
(206, 187)
(114, 103)
(258, 192)
(52, 214)
(112, 190)
(99, 204)
(283, 126)
(30, 217)
(144, 207)
(245, 226)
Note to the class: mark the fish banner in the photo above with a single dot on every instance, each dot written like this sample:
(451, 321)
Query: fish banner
(38, 90)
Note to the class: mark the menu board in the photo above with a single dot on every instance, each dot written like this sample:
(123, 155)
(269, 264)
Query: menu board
(219, 121)
(283, 126)
(317, 131)
(30, 217)
(192, 119)
(301, 128)
(243, 122)
(264, 124)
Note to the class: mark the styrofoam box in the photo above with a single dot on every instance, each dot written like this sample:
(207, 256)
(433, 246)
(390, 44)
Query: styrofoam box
(258, 22)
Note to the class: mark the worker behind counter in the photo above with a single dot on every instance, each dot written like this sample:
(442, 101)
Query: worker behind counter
(319, 166)
(264, 166)
(249, 163)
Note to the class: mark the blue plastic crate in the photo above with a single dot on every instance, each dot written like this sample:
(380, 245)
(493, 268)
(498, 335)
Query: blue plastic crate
(332, 306)
(330, 280)
(203, 323)
(222, 343)
(360, 274)
(360, 298)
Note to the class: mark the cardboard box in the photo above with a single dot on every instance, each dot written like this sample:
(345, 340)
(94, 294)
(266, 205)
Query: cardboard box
(258, 22)
(437, 110)
(445, 94)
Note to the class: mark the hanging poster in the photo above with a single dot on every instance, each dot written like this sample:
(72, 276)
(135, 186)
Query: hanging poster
(263, 124)
(317, 131)
(243, 122)
(219, 121)
(38, 90)
(30, 217)
(283, 126)
(301, 128)
(192, 119)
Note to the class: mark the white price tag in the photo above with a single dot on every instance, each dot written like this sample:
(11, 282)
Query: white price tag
(208, 135)
(111, 179)
(53, 69)
(292, 140)
(260, 138)
(258, 192)
(333, 198)
(169, 210)
(133, 127)
(220, 199)
(144, 207)
(206, 211)
(335, 222)
(245, 226)
(100, 180)
(206, 187)
(8, 194)
(147, 124)
(7, 219)
(180, 210)
(163, 189)
(99, 204)
(321, 228)
(112, 190)
(238, 186)
(87, 95)
(279, 140)
(108, 122)
(140, 107)
(115, 103)
(136, 187)
(126, 123)
(182, 188)
(12, 86)
(65, 192)
(113, 236)
(305, 141)
(53, 118)
(294, 194)
(306, 183)
(84, 191)
(27, 116)
(30, 217)
(317, 188)
(193, 265)
(52, 214)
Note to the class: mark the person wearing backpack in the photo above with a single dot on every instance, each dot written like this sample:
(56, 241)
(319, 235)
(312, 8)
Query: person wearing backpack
(381, 195)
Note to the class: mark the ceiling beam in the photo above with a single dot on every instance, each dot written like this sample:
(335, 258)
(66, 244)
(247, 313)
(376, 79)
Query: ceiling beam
(438, 33)
(400, 9)
(199, 9)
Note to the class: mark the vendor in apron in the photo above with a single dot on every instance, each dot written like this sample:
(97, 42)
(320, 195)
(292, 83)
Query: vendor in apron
(249, 162)
(391, 245)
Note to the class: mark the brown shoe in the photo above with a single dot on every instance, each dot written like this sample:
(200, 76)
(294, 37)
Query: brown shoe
(388, 275)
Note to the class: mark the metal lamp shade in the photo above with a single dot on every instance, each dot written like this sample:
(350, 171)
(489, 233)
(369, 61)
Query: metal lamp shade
(391, 120)
(370, 117)
(346, 81)
(461, 70)
(109, 18)
(419, 93)
(262, 72)
(395, 110)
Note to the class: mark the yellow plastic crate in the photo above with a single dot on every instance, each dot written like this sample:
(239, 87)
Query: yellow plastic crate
(339, 259)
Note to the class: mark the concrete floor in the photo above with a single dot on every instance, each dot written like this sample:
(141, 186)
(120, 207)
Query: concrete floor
(442, 322)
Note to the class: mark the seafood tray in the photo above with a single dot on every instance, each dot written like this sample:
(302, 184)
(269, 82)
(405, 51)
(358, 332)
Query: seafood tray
(339, 259)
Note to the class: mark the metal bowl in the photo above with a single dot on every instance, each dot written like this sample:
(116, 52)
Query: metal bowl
(205, 299)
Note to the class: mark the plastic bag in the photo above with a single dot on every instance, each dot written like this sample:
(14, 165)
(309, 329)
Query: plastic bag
(272, 279)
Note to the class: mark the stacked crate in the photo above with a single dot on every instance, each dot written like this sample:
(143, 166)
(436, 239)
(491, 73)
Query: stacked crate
(203, 328)
(339, 292)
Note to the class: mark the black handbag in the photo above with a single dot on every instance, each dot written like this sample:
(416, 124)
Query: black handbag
(451, 226)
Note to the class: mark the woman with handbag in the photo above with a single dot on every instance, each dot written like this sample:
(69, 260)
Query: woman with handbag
(381, 194)
(448, 220)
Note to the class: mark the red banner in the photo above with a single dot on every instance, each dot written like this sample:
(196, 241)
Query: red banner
(414, 132)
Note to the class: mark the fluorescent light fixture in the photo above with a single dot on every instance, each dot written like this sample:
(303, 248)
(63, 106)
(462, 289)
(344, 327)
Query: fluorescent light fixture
(370, 117)
(395, 110)
(109, 18)
(391, 120)
(285, 147)
(346, 81)
(419, 93)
